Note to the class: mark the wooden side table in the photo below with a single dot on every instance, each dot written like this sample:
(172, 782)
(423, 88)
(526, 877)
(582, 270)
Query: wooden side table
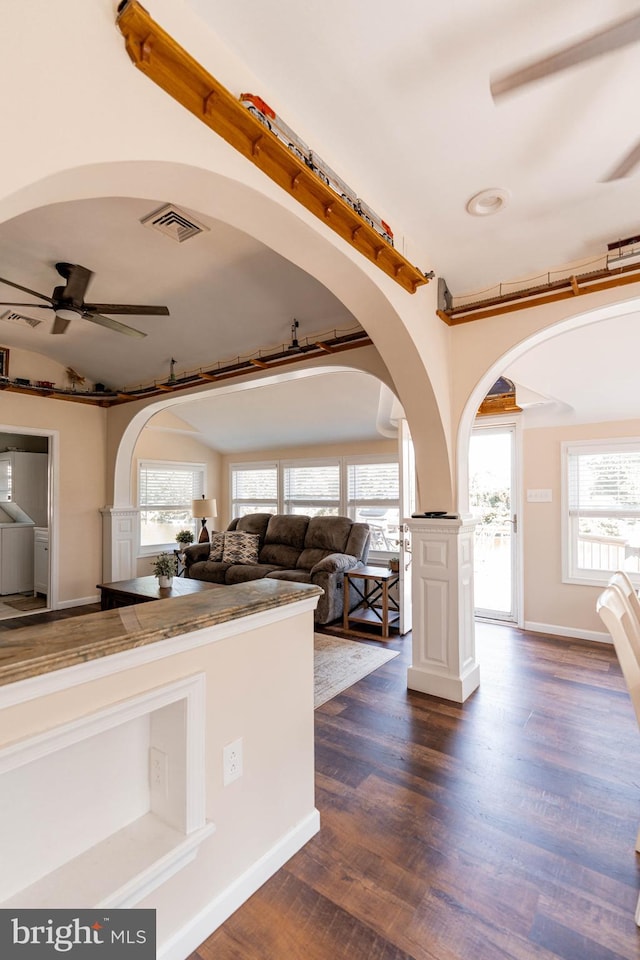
(376, 607)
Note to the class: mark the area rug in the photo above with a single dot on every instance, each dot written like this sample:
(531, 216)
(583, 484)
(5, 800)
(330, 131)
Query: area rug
(339, 664)
(25, 603)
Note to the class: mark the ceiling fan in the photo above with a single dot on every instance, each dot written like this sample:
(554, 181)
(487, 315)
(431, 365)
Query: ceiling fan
(68, 302)
(612, 37)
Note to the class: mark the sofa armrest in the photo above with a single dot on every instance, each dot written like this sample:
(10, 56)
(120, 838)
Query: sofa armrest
(335, 563)
(196, 552)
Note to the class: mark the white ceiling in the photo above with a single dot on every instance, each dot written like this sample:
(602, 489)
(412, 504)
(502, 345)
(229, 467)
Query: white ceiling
(228, 294)
(584, 376)
(331, 408)
(396, 98)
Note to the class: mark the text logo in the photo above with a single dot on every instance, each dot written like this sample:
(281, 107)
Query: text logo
(78, 934)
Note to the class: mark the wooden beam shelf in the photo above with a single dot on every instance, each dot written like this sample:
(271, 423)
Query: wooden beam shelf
(165, 62)
(239, 367)
(564, 289)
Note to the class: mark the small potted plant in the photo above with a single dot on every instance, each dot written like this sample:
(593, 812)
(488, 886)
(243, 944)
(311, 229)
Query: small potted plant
(165, 568)
(184, 538)
(394, 564)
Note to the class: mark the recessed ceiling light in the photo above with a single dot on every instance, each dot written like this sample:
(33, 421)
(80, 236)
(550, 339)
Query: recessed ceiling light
(488, 202)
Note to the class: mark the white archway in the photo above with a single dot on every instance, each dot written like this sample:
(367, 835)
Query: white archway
(408, 335)
(123, 459)
(497, 369)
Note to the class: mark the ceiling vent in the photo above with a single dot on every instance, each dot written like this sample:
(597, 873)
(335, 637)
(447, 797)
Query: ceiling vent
(20, 319)
(173, 223)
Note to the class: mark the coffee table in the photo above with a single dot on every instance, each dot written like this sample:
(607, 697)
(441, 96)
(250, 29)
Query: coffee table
(124, 593)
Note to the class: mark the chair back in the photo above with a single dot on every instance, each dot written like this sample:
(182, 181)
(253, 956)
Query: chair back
(621, 580)
(615, 611)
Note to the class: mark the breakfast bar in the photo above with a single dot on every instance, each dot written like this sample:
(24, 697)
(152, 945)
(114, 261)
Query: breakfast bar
(114, 787)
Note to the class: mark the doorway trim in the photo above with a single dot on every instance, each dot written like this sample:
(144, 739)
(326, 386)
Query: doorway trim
(53, 473)
(517, 504)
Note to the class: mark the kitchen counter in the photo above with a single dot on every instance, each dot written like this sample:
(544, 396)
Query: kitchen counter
(33, 651)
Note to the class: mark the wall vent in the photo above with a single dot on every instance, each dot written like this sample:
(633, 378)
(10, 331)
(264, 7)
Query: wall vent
(173, 223)
(20, 319)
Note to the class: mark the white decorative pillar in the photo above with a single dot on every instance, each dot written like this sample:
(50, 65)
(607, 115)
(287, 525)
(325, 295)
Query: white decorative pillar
(120, 527)
(444, 652)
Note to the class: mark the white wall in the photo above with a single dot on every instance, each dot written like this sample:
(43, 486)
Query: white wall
(259, 686)
(79, 485)
(547, 600)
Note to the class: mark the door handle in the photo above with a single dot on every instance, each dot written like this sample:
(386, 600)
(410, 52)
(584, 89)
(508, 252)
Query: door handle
(514, 521)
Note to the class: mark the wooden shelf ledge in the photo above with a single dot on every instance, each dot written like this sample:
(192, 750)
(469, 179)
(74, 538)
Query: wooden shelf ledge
(165, 62)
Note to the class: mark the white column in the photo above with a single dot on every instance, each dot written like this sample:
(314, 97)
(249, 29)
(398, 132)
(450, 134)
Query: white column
(120, 527)
(444, 653)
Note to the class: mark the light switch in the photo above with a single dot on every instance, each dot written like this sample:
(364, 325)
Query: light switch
(539, 496)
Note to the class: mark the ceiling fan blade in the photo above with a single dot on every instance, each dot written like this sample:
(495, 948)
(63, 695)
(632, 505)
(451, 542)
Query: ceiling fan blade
(60, 324)
(113, 325)
(34, 293)
(128, 308)
(31, 306)
(77, 278)
(614, 37)
(626, 165)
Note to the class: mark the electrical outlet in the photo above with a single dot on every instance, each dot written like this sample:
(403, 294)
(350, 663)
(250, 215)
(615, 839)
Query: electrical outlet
(158, 772)
(232, 761)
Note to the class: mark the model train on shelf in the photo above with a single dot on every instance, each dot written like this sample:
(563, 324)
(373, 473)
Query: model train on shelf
(260, 109)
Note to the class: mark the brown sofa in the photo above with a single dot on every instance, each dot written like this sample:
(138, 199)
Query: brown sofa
(304, 549)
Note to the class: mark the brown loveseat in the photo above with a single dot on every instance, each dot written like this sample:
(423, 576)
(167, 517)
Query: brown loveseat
(287, 547)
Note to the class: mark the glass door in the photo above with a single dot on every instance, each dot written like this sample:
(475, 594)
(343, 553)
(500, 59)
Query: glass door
(492, 500)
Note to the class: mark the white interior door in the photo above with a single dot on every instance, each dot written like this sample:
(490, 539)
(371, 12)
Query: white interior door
(407, 463)
(493, 501)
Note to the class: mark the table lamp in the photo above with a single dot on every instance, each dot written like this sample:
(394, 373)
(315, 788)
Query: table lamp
(202, 509)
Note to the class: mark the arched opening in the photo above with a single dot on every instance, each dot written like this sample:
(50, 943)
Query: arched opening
(394, 320)
(578, 387)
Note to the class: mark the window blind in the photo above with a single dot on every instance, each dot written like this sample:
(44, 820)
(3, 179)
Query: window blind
(169, 484)
(255, 483)
(373, 481)
(311, 483)
(604, 483)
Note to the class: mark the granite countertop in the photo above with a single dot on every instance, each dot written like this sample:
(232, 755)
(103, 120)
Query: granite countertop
(33, 651)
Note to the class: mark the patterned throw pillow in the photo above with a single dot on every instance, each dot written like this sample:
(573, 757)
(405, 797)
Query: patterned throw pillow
(217, 546)
(240, 547)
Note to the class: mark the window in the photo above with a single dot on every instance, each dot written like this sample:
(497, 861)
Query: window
(165, 492)
(373, 497)
(602, 509)
(312, 489)
(254, 488)
(366, 489)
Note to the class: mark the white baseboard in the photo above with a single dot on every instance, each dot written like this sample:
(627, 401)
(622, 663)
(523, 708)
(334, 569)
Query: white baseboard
(202, 925)
(78, 602)
(570, 632)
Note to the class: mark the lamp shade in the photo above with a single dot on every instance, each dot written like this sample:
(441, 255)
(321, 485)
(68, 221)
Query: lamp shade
(204, 508)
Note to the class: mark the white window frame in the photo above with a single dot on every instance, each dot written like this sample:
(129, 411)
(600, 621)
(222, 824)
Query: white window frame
(345, 509)
(571, 573)
(285, 465)
(351, 506)
(247, 501)
(151, 549)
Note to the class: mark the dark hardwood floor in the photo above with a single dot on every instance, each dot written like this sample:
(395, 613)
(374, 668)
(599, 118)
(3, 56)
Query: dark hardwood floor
(34, 619)
(503, 828)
